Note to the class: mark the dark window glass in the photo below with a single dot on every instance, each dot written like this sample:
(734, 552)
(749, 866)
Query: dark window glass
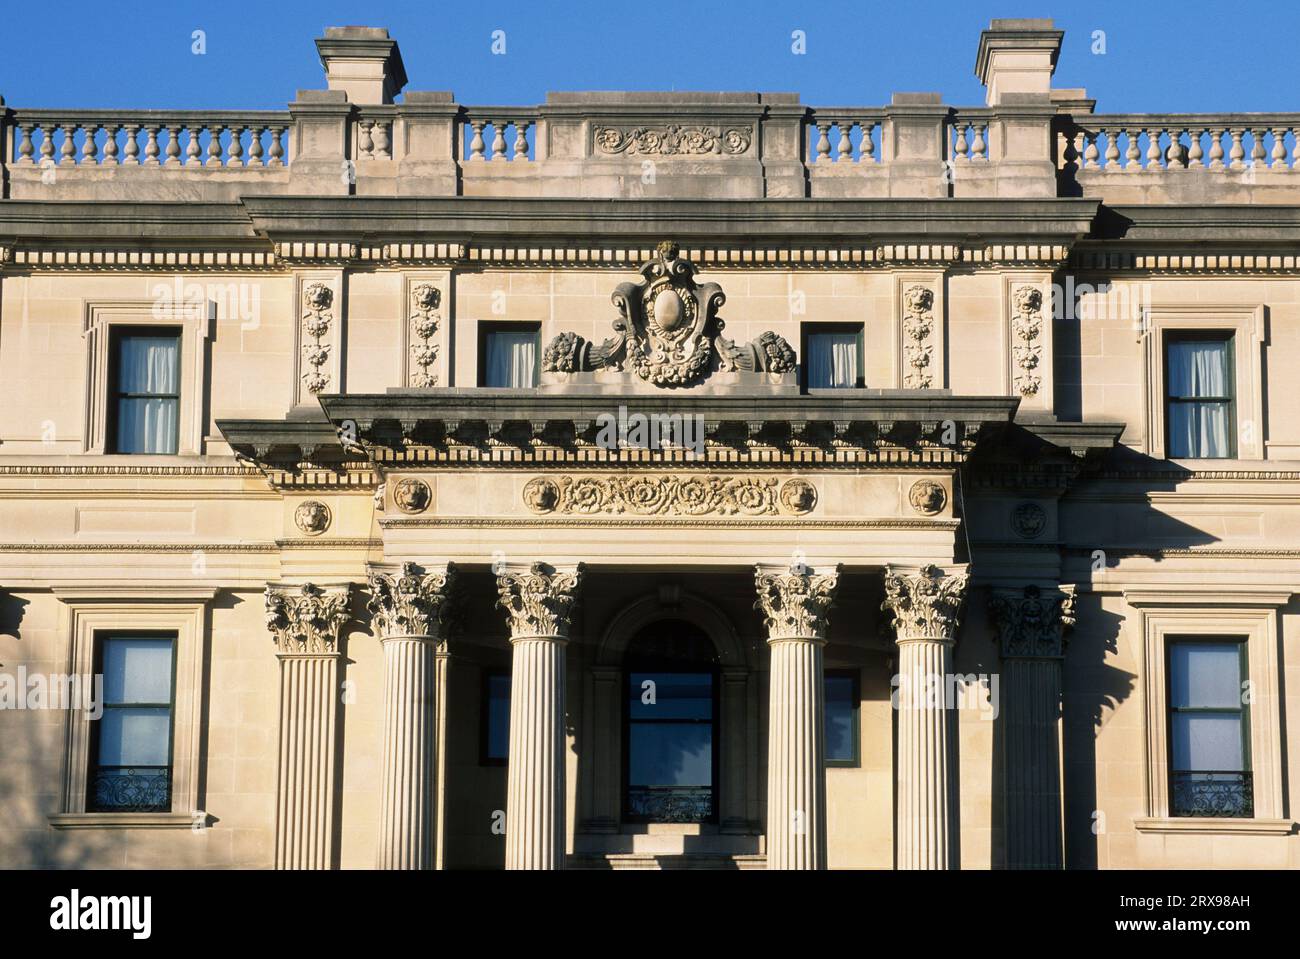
(509, 355)
(833, 357)
(496, 717)
(1199, 384)
(132, 742)
(1209, 744)
(145, 406)
(841, 719)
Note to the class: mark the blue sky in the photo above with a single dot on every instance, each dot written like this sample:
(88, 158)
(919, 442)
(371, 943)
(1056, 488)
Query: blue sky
(1160, 56)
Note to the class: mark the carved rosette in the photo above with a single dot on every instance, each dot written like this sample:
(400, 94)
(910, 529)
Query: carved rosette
(669, 495)
(317, 318)
(794, 601)
(926, 604)
(673, 140)
(412, 495)
(1026, 330)
(408, 602)
(424, 320)
(1031, 623)
(539, 600)
(927, 497)
(307, 618)
(312, 517)
(918, 324)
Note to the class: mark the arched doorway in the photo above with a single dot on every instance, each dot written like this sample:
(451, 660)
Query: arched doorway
(670, 725)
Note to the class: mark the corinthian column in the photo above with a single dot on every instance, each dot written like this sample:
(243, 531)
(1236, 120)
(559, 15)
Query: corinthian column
(794, 603)
(408, 613)
(306, 621)
(926, 605)
(538, 600)
(1030, 625)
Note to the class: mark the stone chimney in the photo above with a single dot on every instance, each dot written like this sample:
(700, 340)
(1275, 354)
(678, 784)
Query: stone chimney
(1017, 57)
(363, 62)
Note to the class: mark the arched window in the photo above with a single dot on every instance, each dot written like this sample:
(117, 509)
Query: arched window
(670, 766)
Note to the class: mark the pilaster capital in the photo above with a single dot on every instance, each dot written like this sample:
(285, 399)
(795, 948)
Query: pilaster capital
(538, 598)
(307, 618)
(794, 600)
(409, 602)
(1031, 622)
(926, 603)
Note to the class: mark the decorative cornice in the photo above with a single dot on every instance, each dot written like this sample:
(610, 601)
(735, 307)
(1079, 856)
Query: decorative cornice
(1031, 623)
(926, 604)
(409, 602)
(685, 522)
(538, 599)
(307, 618)
(794, 600)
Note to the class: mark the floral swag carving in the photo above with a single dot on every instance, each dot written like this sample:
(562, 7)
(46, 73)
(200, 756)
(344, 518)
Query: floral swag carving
(669, 495)
(425, 321)
(794, 602)
(317, 317)
(926, 604)
(1026, 325)
(674, 140)
(1030, 622)
(408, 602)
(918, 323)
(307, 619)
(668, 332)
(538, 602)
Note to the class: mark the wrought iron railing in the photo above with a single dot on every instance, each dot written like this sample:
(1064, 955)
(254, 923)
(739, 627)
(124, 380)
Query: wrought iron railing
(1224, 794)
(130, 789)
(670, 803)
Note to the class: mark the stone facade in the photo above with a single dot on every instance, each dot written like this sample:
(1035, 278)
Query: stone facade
(353, 534)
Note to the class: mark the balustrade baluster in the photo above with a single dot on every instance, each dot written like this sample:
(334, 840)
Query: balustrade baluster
(25, 147)
(89, 148)
(47, 143)
(110, 143)
(867, 152)
(845, 146)
(68, 154)
(277, 148)
(1216, 149)
(1153, 148)
(1279, 148)
(1132, 156)
(383, 143)
(979, 149)
(521, 140)
(498, 140)
(1175, 156)
(192, 150)
(823, 142)
(1257, 154)
(476, 144)
(366, 141)
(1295, 150)
(959, 147)
(1238, 152)
(1090, 151)
(1112, 149)
(255, 145)
(1195, 154)
(132, 157)
(214, 144)
(235, 154)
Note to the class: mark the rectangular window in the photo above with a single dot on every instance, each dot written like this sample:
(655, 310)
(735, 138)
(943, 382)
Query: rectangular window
(1209, 737)
(1200, 402)
(496, 718)
(131, 744)
(509, 355)
(832, 356)
(842, 718)
(145, 390)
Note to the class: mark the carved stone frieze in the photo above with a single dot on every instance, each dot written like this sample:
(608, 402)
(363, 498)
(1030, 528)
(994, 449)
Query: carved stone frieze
(409, 602)
(918, 324)
(1032, 622)
(425, 320)
(660, 495)
(673, 140)
(307, 618)
(794, 601)
(1026, 330)
(538, 600)
(317, 318)
(926, 604)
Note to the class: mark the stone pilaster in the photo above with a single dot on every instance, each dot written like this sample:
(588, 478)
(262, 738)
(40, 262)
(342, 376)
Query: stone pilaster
(306, 622)
(794, 602)
(538, 601)
(1031, 624)
(408, 615)
(926, 605)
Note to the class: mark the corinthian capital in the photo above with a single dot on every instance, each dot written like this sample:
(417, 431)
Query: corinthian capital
(307, 618)
(926, 604)
(1032, 622)
(538, 599)
(408, 602)
(794, 601)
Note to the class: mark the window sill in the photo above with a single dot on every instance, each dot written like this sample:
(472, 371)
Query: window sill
(123, 820)
(1213, 825)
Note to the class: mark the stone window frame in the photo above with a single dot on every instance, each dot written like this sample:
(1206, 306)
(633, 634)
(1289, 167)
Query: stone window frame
(101, 318)
(90, 613)
(487, 327)
(1208, 612)
(808, 328)
(1246, 323)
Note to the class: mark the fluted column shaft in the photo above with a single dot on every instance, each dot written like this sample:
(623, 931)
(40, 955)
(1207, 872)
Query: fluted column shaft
(1032, 763)
(535, 778)
(408, 780)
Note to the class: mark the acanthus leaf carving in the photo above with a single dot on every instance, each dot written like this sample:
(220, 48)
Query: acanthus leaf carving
(410, 602)
(307, 618)
(926, 604)
(918, 323)
(538, 600)
(1026, 327)
(795, 601)
(425, 320)
(1032, 622)
(317, 318)
(673, 139)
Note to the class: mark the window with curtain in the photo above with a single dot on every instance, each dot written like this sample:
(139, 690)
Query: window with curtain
(496, 717)
(131, 747)
(1209, 755)
(509, 355)
(832, 357)
(146, 385)
(841, 719)
(1199, 384)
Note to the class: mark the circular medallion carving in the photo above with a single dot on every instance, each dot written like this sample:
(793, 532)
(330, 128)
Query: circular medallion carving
(798, 496)
(928, 497)
(412, 495)
(541, 495)
(1028, 520)
(312, 517)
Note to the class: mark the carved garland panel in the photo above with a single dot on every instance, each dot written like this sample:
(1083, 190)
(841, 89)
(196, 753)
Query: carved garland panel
(919, 336)
(318, 300)
(426, 329)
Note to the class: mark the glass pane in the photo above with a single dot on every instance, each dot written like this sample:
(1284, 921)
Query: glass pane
(1199, 430)
(832, 360)
(511, 358)
(1207, 741)
(1198, 368)
(670, 695)
(133, 736)
(147, 425)
(670, 754)
(1205, 674)
(498, 716)
(839, 719)
(138, 670)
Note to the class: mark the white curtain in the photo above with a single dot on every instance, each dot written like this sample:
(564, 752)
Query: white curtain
(512, 359)
(832, 360)
(1199, 368)
(148, 386)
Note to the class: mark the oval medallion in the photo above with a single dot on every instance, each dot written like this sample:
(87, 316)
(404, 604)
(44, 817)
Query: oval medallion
(668, 309)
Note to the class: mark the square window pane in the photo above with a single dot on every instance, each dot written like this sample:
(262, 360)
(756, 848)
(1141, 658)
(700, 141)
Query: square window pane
(1198, 368)
(147, 425)
(1200, 430)
(148, 364)
(833, 360)
(1207, 741)
(1205, 674)
(137, 670)
(670, 695)
(840, 707)
(511, 359)
(670, 754)
(134, 735)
